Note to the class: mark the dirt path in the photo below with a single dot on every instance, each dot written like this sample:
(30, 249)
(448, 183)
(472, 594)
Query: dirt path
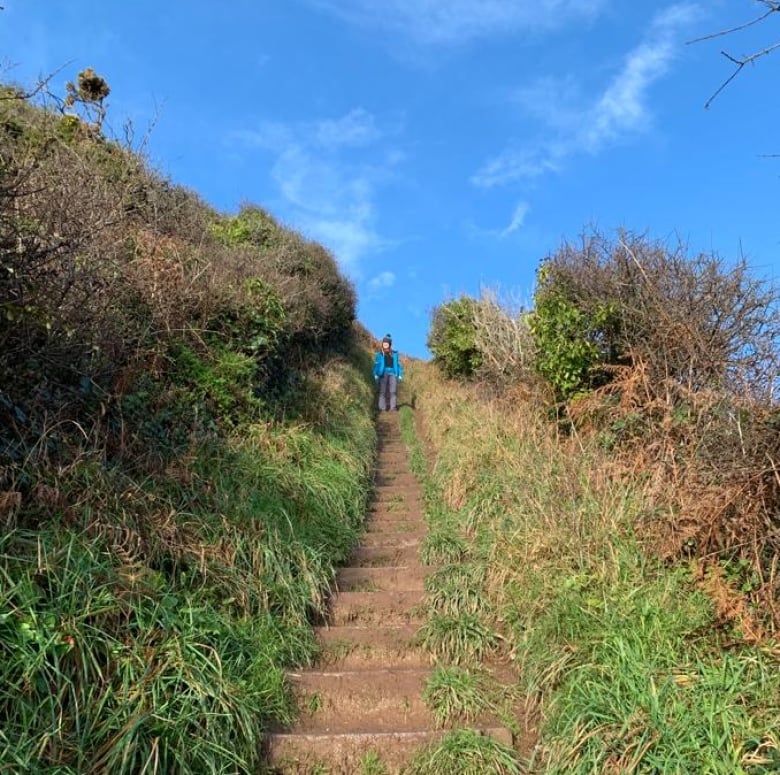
(363, 697)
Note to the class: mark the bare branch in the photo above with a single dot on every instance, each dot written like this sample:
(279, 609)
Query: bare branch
(775, 7)
(740, 63)
(772, 6)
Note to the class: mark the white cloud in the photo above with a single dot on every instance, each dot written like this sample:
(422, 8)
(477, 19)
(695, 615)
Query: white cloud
(382, 280)
(456, 21)
(518, 218)
(357, 128)
(618, 112)
(327, 173)
(516, 163)
(349, 240)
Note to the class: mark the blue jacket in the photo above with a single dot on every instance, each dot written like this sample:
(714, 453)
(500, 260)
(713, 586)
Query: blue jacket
(380, 368)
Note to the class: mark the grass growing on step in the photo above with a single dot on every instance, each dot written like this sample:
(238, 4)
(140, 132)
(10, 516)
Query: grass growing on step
(417, 461)
(465, 752)
(462, 638)
(457, 588)
(453, 693)
(441, 545)
(372, 764)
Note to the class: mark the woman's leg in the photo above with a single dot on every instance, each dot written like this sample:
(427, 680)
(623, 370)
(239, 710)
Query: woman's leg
(392, 386)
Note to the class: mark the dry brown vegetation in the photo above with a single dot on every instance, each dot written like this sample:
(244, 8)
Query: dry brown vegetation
(690, 354)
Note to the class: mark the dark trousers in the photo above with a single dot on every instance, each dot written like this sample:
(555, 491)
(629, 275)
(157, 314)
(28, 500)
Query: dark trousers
(388, 389)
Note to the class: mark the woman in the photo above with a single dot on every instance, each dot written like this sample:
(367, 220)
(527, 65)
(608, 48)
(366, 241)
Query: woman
(387, 374)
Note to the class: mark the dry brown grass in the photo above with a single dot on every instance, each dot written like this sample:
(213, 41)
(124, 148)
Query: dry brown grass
(705, 490)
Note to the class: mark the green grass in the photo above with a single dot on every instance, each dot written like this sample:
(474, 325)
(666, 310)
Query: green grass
(463, 638)
(441, 545)
(417, 460)
(465, 752)
(645, 692)
(457, 588)
(372, 764)
(456, 694)
(152, 632)
(634, 670)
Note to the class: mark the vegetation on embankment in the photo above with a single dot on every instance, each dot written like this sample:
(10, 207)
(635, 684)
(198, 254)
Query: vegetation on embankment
(670, 363)
(630, 663)
(606, 470)
(186, 441)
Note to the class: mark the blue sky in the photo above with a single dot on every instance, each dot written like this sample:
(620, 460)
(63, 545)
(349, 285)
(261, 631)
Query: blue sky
(438, 147)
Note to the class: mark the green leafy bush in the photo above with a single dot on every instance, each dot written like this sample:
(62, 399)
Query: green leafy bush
(569, 340)
(170, 523)
(693, 322)
(452, 338)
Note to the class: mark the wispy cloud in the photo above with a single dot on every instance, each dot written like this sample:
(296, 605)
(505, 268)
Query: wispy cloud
(621, 110)
(516, 223)
(327, 172)
(356, 128)
(455, 21)
(518, 219)
(382, 280)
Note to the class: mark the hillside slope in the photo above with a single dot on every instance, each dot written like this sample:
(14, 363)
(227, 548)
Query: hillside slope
(186, 442)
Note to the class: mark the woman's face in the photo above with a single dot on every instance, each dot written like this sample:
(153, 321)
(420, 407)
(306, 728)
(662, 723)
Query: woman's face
(385, 346)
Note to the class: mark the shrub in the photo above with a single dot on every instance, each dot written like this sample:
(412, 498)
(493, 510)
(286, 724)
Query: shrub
(504, 339)
(452, 338)
(694, 322)
(567, 337)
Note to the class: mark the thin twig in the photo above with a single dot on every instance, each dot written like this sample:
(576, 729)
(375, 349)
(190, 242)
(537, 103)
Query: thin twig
(740, 63)
(738, 28)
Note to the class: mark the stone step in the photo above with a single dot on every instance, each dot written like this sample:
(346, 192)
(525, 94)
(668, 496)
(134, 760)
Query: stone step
(352, 647)
(395, 525)
(378, 700)
(391, 496)
(383, 607)
(396, 468)
(392, 510)
(387, 554)
(404, 480)
(344, 753)
(392, 540)
(391, 456)
(399, 578)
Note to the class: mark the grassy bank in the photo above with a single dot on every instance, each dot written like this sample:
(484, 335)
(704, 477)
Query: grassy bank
(628, 661)
(149, 632)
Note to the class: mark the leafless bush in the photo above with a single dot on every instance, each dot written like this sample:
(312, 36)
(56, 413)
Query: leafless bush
(503, 338)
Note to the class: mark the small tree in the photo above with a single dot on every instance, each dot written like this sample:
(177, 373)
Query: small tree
(88, 92)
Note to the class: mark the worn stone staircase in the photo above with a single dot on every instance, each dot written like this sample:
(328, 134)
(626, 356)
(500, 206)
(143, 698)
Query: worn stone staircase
(363, 698)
